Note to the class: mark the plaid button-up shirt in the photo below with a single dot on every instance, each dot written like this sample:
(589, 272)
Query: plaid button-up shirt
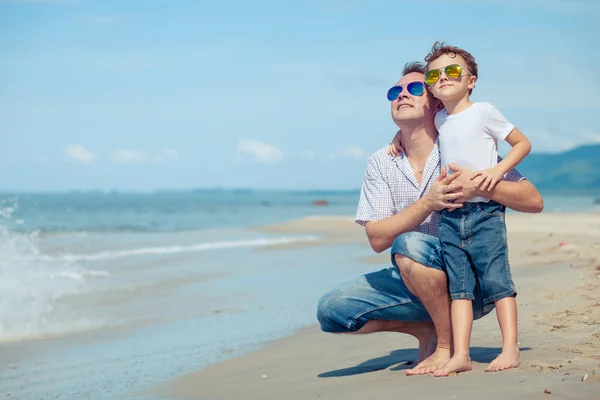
(390, 186)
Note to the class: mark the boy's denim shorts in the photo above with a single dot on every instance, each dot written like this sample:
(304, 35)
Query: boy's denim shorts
(475, 252)
(383, 295)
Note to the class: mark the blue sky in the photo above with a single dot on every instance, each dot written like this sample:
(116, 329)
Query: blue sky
(144, 95)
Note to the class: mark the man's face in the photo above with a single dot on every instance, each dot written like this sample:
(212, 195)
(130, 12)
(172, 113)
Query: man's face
(447, 88)
(409, 108)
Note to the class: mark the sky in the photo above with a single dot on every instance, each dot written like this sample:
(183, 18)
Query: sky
(175, 94)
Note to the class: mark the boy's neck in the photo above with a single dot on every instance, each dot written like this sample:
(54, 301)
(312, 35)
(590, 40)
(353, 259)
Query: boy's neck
(418, 141)
(455, 106)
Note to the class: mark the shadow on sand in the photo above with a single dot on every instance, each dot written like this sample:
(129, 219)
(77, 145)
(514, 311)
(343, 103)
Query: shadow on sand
(405, 359)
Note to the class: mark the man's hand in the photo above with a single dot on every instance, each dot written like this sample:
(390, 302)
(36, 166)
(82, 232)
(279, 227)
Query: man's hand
(444, 192)
(470, 187)
(489, 178)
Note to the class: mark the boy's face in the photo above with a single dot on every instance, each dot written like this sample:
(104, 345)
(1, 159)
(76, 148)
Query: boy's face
(447, 88)
(412, 108)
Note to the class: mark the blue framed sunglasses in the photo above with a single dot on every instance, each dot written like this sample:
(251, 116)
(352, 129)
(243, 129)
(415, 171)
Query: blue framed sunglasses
(414, 88)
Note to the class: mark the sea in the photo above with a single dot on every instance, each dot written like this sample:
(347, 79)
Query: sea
(104, 294)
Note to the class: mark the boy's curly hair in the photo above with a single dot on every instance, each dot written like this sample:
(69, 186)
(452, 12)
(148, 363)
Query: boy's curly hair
(441, 48)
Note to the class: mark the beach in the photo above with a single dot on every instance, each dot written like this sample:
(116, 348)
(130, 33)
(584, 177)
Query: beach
(555, 260)
(213, 310)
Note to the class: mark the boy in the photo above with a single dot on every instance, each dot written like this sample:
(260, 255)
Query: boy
(473, 238)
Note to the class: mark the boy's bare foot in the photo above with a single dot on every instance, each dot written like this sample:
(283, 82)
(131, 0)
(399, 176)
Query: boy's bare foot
(506, 360)
(439, 357)
(458, 363)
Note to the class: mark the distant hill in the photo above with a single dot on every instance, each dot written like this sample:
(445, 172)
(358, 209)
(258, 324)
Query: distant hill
(574, 170)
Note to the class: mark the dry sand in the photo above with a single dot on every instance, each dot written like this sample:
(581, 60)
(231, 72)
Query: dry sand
(556, 266)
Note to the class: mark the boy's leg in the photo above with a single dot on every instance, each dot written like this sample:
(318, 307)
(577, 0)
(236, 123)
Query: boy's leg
(455, 235)
(506, 309)
(462, 324)
(490, 257)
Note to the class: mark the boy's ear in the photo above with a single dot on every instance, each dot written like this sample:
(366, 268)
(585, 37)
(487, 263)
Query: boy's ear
(472, 81)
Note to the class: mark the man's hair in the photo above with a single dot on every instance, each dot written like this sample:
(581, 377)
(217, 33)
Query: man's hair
(414, 66)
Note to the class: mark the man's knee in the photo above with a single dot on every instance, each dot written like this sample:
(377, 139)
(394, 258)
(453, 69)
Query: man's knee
(405, 264)
(330, 313)
(411, 271)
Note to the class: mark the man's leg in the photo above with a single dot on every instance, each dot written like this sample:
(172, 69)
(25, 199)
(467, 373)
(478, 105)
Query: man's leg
(377, 302)
(418, 257)
(424, 332)
(430, 286)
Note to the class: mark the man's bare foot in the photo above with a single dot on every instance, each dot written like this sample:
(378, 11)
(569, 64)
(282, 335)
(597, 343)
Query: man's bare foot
(427, 345)
(507, 359)
(458, 363)
(431, 363)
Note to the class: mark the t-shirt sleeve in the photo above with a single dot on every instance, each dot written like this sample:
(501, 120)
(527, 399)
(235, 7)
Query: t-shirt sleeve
(376, 201)
(497, 125)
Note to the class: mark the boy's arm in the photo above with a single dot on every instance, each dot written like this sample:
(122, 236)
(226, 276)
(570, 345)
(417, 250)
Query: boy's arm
(520, 148)
(515, 192)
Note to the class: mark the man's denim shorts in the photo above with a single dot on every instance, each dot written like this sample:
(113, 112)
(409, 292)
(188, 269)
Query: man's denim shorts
(475, 253)
(382, 295)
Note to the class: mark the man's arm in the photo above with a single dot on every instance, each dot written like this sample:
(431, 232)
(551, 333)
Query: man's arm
(443, 192)
(520, 196)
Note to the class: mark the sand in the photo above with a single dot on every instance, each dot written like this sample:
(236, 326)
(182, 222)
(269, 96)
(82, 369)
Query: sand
(555, 261)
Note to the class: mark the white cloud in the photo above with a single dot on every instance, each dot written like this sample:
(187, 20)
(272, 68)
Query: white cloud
(129, 156)
(126, 156)
(171, 154)
(79, 153)
(310, 154)
(353, 152)
(261, 152)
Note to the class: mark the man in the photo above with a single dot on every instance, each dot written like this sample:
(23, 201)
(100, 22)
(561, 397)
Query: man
(398, 207)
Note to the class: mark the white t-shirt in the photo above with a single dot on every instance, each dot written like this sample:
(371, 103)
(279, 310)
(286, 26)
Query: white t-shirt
(470, 138)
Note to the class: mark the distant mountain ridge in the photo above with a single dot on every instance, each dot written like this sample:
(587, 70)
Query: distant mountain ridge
(573, 170)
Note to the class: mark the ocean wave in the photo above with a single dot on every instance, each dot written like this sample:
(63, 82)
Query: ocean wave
(160, 250)
(32, 284)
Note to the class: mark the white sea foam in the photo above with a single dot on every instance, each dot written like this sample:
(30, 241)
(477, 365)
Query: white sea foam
(31, 284)
(158, 250)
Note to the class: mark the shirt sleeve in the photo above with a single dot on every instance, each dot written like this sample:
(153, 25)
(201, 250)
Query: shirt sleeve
(497, 125)
(513, 175)
(376, 202)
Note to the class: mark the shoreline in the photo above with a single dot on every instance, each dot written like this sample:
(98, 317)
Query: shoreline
(554, 259)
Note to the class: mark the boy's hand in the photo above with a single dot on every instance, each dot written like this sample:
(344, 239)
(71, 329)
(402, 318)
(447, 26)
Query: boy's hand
(395, 148)
(393, 151)
(487, 179)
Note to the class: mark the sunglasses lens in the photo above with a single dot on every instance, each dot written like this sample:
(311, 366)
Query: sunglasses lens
(415, 88)
(394, 92)
(432, 76)
(453, 71)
